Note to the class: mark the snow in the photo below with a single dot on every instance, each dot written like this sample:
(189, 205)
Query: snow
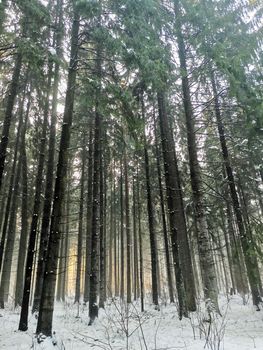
(240, 328)
(52, 51)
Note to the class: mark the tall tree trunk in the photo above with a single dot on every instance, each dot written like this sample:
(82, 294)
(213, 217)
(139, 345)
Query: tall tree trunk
(101, 229)
(229, 253)
(170, 176)
(36, 209)
(11, 95)
(12, 176)
(180, 222)
(94, 271)
(88, 220)
(3, 6)
(165, 233)
(128, 229)
(248, 250)
(50, 167)
(44, 324)
(10, 241)
(64, 281)
(151, 218)
(121, 236)
(116, 262)
(237, 255)
(94, 266)
(110, 242)
(135, 244)
(9, 226)
(140, 245)
(60, 261)
(24, 224)
(244, 209)
(80, 228)
(206, 257)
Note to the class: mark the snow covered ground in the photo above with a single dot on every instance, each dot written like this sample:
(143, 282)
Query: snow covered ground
(239, 328)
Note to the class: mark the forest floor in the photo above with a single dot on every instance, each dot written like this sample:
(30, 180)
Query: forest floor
(239, 328)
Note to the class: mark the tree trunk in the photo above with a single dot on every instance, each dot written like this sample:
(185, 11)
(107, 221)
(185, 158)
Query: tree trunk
(24, 225)
(110, 242)
(12, 176)
(50, 168)
(170, 175)
(135, 245)
(11, 95)
(10, 241)
(36, 210)
(80, 228)
(248, 250)
(151, 219)
(122, 236)
(47, 298)
(88, 220)
(94, 266)
(128, 229)
(165, 233)
(94, 271)
(116, 262)
(102, 237)
(140, 246)
(206, 257)
(64, 281)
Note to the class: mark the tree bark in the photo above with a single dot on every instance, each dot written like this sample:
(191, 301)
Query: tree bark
(12, 176)
(151, 219)
(121, 236)
(94, 270)
(88, 220)
(102, 297)
(50, 167)
(249, 252)
(80, 228)
(128, 229)
(47, 298)
(10, 241)
(140, 246)
(165, 233)
(24, 224)
(11, 95)
(170, 175)
(94, 266)
(206, 257)
(135, 245)
(36, 210)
